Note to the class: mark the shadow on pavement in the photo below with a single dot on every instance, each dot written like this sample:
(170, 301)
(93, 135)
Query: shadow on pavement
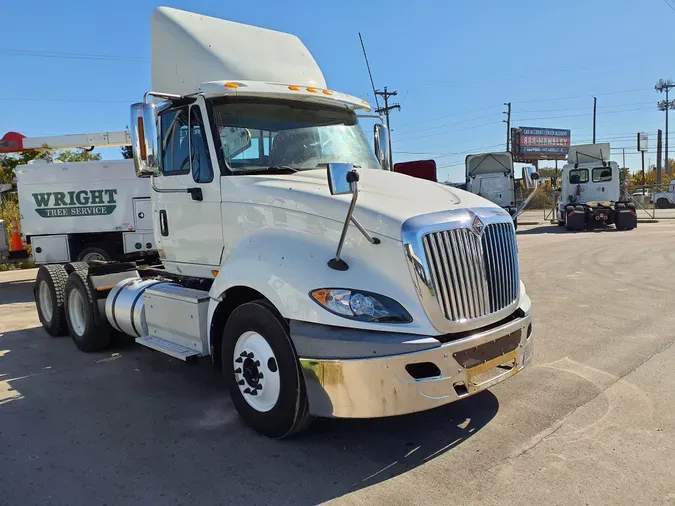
(132, 426)
(16, 291)
(555, 229)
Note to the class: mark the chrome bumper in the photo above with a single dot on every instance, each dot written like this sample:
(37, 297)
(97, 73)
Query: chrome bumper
(378, 387)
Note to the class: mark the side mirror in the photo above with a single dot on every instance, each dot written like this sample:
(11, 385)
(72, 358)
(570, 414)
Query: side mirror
(622, 175)
(530, 175)
(381, 133)
(144, 139)
(341, 178)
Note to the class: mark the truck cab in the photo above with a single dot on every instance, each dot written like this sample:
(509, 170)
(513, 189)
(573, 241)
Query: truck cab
(317, 280)
(590, 191)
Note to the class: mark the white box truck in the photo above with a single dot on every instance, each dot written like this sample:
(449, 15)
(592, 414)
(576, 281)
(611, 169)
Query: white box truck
(590, 191)
(84, 211)
(320, 282)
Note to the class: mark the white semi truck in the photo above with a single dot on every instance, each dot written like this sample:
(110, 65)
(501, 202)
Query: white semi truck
(590, 191)
(84, 211)
(492, 176)
(311, 302)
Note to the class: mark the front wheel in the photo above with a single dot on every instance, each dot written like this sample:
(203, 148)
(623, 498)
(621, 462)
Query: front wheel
(262, 371)
(663, 203)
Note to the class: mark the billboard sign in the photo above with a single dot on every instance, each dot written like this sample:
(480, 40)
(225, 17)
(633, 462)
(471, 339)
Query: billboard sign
(543, 143)
(642, 141)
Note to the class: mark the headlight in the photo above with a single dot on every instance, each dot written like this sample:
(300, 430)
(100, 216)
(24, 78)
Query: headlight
(360, 305)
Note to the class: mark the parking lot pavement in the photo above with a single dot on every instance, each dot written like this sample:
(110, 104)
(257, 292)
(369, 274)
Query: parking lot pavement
(589, 422)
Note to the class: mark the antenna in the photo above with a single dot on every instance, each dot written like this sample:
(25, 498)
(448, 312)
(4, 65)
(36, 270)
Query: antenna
(372, 83)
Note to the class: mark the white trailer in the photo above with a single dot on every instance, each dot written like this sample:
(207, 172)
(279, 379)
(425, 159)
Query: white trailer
(84, 211)
(310, 303)
(590, 192)
(492, 176)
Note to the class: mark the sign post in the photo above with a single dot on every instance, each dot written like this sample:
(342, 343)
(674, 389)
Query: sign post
(642, 146)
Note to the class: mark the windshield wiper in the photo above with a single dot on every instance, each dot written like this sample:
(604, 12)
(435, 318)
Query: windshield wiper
(281, 169)
(275, 169)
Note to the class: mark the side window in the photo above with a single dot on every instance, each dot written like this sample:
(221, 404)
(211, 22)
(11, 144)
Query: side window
(602, 174)
(175, 144)
(578, 176)
(202, 172)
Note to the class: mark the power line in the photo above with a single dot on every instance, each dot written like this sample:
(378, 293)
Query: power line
(458, 130)
(71, 56)
(451, 115)
(582, 96)
(669, 5)
(583, 115)
(416, 131)
(68, 101)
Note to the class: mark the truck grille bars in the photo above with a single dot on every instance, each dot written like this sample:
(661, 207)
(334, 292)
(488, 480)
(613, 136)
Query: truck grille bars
(473, 276)
(465, 266)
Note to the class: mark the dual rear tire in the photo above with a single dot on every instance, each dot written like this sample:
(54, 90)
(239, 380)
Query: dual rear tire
(66, 304)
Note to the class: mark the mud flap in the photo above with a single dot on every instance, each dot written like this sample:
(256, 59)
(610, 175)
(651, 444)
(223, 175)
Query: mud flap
(626, 219)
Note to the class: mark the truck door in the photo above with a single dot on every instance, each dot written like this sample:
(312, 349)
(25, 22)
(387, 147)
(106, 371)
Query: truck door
(187, 209)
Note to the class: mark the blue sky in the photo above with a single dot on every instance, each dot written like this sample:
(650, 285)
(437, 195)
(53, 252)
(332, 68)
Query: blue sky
(454, 63)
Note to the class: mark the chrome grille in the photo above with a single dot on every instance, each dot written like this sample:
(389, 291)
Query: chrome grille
(473, 276)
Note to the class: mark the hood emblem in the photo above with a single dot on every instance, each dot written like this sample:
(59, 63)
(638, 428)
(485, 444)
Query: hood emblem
(477, 226)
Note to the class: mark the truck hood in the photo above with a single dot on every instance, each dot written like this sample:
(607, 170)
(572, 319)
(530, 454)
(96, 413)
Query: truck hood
(386, 199)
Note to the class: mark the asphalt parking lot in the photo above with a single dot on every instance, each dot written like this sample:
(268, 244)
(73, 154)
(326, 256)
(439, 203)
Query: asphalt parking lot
(591, 421)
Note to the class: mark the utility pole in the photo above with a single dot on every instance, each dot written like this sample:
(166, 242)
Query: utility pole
(624, 158)
(385, 95)
(665, 105)
(595, 108)
(508, 125)
(659, 143)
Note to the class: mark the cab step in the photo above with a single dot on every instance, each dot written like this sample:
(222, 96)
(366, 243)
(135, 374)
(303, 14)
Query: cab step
(167, 347)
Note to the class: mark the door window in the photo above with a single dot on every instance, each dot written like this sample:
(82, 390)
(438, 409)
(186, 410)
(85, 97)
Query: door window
(602, 174)
(578, 176)
(200, 161)
(175, 142)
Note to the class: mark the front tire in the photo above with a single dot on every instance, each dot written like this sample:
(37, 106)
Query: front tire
(262, 371)
(49, 288)
(90, 331)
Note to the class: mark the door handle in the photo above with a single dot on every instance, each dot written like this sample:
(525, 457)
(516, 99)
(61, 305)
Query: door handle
(196, 193)
(163, 223)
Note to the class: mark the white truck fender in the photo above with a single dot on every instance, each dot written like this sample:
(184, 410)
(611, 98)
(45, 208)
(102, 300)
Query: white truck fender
(286, 265)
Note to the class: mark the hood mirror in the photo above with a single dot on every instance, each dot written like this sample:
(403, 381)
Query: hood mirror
(530, 177)
(144, 139)
(343, 179)
(339, 175)
(381, 133)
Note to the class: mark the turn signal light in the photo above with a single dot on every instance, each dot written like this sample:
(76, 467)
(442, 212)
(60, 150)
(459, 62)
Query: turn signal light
(327, 92)
(294, 88)
(231, 85)
(312, 90)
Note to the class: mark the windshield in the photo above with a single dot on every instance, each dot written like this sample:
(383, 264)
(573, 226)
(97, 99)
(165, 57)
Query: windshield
(259, 135)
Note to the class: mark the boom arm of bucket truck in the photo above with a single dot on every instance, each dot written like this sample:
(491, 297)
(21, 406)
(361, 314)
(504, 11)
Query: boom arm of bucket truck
(13, 142)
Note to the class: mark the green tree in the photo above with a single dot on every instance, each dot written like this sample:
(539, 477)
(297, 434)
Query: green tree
(8, 163)
(80, 155)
